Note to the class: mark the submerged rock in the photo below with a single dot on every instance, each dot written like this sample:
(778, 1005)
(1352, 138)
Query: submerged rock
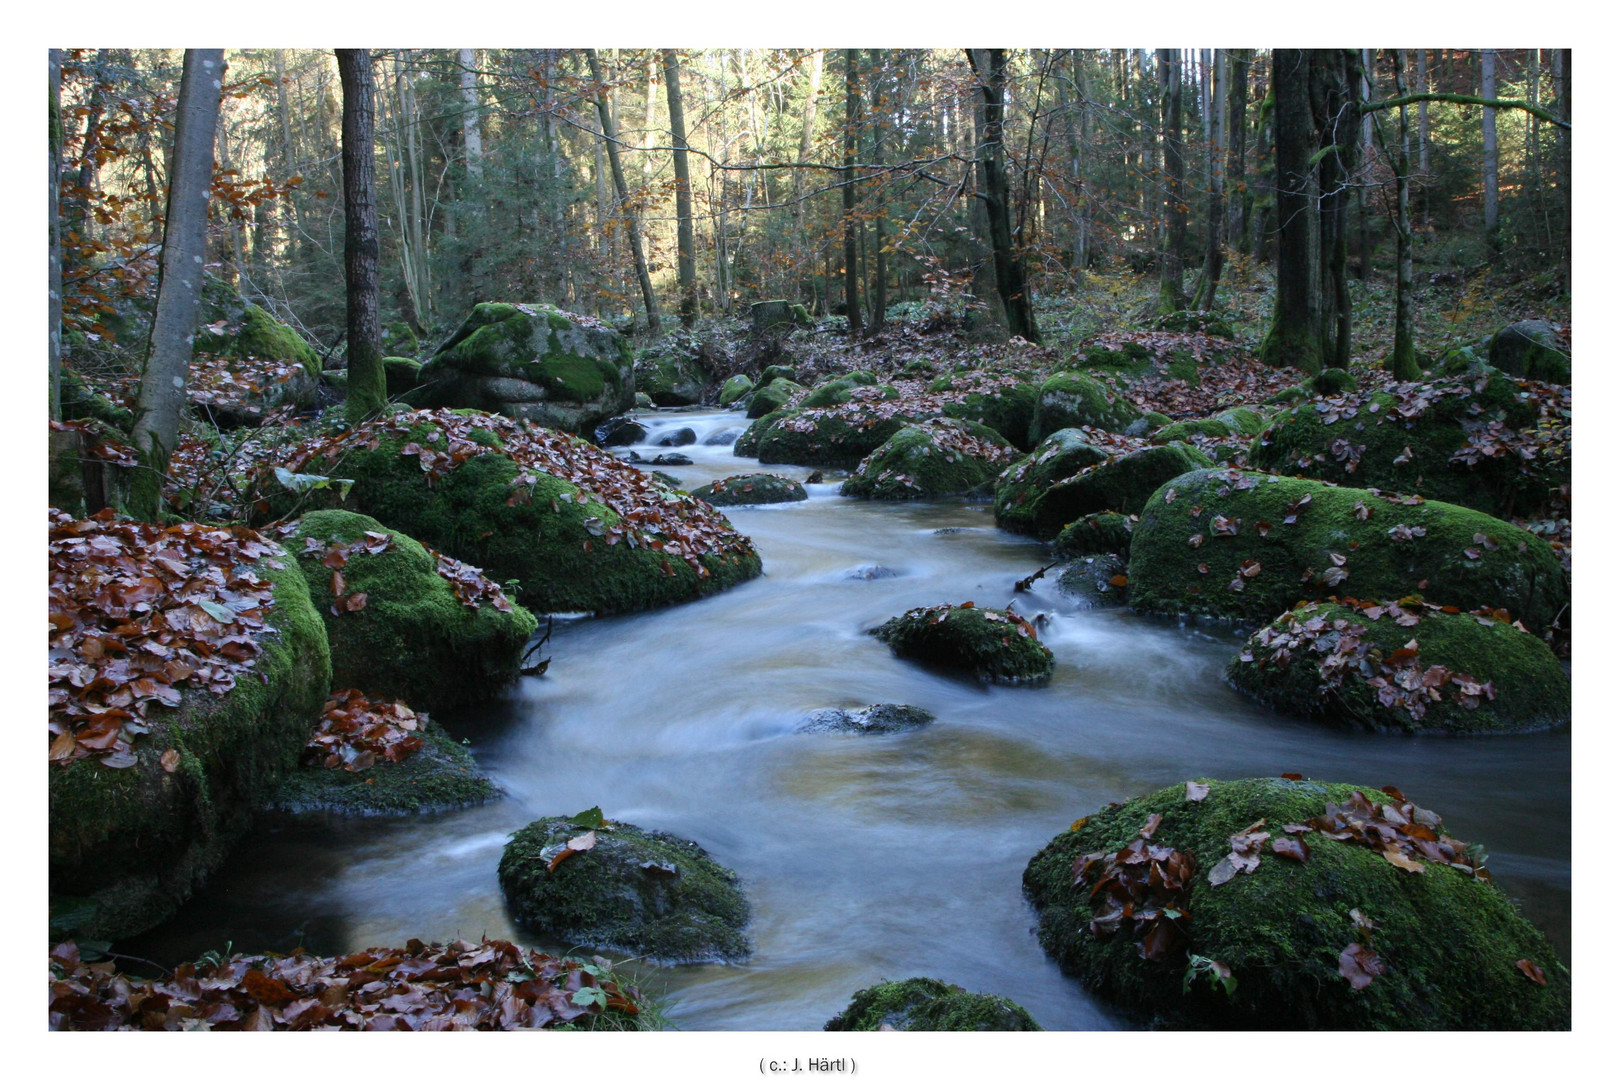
(872, 720)
(1097, 534)
(651, 894)
(441, 775)
(1100, 580)
(991, 645)
(1347, 938)
(871, 573)
(1412, 668)
(621, 431)
(929, 1005)
(752, 489)
(679, 437)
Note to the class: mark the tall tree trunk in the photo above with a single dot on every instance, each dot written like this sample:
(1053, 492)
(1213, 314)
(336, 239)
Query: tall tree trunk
(852, 99)
(1487, 89)
(1423, 130)
(367, 388)
(807, 130)
(1337, 119)
(1563, 59)
(1364, 171)
(472, 140)
(1403, 363)
(880, 272)
(54, 259)
(685, 259)
(180, 279)
(990, 66)
(1257, 229)
(1237, 124)
(650, 116)
(79, 226)
(1215, 236)
(1173, 256)
(610, 137)
(1295, 335)
(1074, 115)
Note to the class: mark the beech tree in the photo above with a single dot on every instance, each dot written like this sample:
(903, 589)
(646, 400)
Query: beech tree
(368, 388)
(990, 67)
(686, 261)
(180, 280)
(610, 140)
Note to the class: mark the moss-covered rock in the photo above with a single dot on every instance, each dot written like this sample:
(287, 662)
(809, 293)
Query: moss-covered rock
(1239, 421)
(777, 394)
(1121, 484)
(1097, 580)
(1006, 403)
(251, 331)
(533, 362)
(136, 841)
(747, 444)
(82, 402)
(441, 775)
(843, 388)
(1531, 349)
(648, 893)
(1466, 673)
(1450, 943)
(1330, 382)
(752, 489)
(1105, 533)
(539, 508)
(671, 372)
(399, 338)
(1071, 399)
(839, 436)
(1416, 441)
(1193, 550)
(733, 389)
(989, 644)
(929, 1005)
(415, 638)
(772, 373)
(934, 458)
(1060, 455)
(401, 374)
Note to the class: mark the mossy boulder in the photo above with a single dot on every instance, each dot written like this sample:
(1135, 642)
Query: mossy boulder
(1105, 533)
(733, 389)
(1060, 455)
(1072, 399)
(934, 458)
(502, 509)
(1097, 580)
(135, 842)
(843, 388)
(248, 331)
(1330, 382)
(1194, 548)
(1531, 349)
(1466, 674)
(772, 373)
(988, 644)
(1239, 421)
(652, 894)
(1007, 404)
(929, 1005)
(1409, 443)
(1450, 943)
(441, 775)
(747, 444)
(399, 338)
(401, 374)
(672, 372)
(414, 639)
(838, 437)
(1121, 484)
(752, 489)
(777, 394)
(533, 362)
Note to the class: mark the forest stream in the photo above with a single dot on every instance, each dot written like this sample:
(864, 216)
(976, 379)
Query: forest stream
(864, 857)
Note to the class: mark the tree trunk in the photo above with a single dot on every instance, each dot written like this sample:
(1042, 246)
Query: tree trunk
(1237, 123)
(610, 137)
(1295, 336)
(1364, 172)
(79, 227)
(807, 129)
(180, 279)
(1215, 235)
(472, 141)
(1403, 362)
(1423, 130)
(367, 388)
(686, 260)
(1337, 116)
(880, 272)
(1487, 89)
(1173, 256)
(852, 294)
(1565, 162)
(990, 66)
(54, 258)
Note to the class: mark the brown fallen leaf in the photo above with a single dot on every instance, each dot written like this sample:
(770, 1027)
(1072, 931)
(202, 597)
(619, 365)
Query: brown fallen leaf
(170, 760)
(1532, 971)
(1197, 792)
(1290, 848)
(1360, 965)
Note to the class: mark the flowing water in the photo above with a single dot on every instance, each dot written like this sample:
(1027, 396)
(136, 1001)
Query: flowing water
(864, 857)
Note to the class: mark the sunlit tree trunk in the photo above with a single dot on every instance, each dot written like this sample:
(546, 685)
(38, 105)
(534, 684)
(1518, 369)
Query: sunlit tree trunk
(180, 279)
(610, 138)
(880, 270)
(1215, 236)
(367, 389)
(686, 261)
(990, 67)
(852, 277)
(472, 139)
(807, 130)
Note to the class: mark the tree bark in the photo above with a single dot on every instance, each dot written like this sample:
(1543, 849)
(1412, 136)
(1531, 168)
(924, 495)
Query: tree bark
(990, 65)
(1403, 363)
(367, 388)
(1237, 123)
(1487, 89)
(180, 279)
(879, 293)
(472, 140)
(685, 259)
(1215, 236)
(1295, 336)
(1173, 256)
(852, 294)
(54, 258)
(1337, 113)
(610, 137)
(807, 129)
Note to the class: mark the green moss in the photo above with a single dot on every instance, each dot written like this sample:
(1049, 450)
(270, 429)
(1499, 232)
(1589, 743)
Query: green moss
(670, 372)
(835, 438)
(137, 841)
(1121, 484)
(441, 775)
(734, 388)
(1072, 399)
(747, 444)
(990, 645)
(772, 373)
(1331, 381)
(1010, 410)
(261, 336)
(621, 894)
(1450, 943)
(1532, 690)
(916, 463)
(1096, 534)
(414, 639)
(1060, 455)
(1296, 560)
(775, 395)
(752, 489)
(80, 402)
(401, 373)
(576, 378)
(1530, 349)
(401, 339)
(929, 1005)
